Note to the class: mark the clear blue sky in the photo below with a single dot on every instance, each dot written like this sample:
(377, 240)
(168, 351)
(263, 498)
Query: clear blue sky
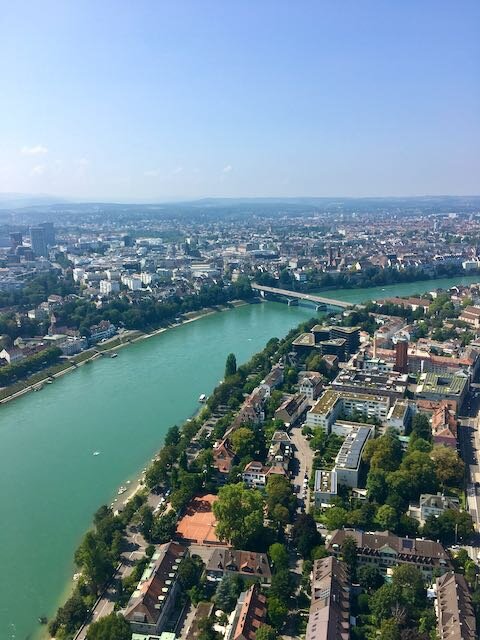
(149, 99)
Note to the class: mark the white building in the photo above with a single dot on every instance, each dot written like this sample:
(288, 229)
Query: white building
(107, 287)
(325, 487)
(349, 458)
(332, 404)
(133, 282)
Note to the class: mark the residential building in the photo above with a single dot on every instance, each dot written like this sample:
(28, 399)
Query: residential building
(292, 409)
(325, 488)
(12, 355)
(386, 550)
(102, 331)
(150, 604)
(248, 564)
(454, 609)
(432, 505)
(256, 474)
(280, 451)
(107, 287)
(311, 385)
(400, 415)
(333, 403)
(329, 616)
(349, 458)
(471, 315)
(250, 613)
(223, 458)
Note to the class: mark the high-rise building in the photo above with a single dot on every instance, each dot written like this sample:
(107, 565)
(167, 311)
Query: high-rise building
(401, 356)
(49, 233)
(16, 240)
(38, 238)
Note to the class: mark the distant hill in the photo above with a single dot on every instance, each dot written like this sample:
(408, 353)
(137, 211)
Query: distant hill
(21, 200)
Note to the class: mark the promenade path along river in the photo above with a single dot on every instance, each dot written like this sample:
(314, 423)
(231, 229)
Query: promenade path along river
(50, 481)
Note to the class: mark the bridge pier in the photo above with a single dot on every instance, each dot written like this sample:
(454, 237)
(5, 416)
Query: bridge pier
(292, 302)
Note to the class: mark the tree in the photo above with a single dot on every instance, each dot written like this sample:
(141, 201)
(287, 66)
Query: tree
(369, 577)
(111, 627)
(387, 517)
(239, 514)
(228, 590)
(449, 527)
(384, 452)
(266, 632)
(282, 585)
(377, 485)
(421, 427)
(389, 630)
(410, 581)
(189, 572)
(207, 631)
(335, 518)
(145, 516)
(279, 556)
(230, 365)
(164, 527)
(71, 616)
(94, 558)
(449, 468)
(279, 493)
(277, 612)
(350, 555)
(305, 535)
(243, 442)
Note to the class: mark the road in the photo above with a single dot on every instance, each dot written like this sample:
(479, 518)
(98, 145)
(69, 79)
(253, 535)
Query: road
(469, 444)
(135, 550)
(303, 460)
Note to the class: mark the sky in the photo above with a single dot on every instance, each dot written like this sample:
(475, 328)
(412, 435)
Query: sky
(151, 100)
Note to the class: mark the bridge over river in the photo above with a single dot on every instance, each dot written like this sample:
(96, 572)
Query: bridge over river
(294, 296)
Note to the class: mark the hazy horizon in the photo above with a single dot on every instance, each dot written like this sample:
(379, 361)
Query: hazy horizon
(167, 102)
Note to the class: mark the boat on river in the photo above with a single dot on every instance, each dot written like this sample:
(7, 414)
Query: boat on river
(121, 490)
(202, 398)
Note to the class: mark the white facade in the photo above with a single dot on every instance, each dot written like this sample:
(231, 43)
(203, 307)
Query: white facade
(109, 286)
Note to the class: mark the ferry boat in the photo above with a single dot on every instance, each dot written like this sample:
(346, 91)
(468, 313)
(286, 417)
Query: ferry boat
(202, 398)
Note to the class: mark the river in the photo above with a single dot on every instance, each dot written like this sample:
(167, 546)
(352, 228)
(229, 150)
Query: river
(51, 483)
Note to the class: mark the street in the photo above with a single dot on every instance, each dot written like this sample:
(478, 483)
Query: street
(302, 463)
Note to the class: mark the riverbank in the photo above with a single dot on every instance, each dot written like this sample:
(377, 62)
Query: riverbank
(122, 408)
(38, 380)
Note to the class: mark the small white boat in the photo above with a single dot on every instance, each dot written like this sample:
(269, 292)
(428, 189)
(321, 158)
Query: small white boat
(121, 490)
(96, 453)
(114, 355)
(202, 398)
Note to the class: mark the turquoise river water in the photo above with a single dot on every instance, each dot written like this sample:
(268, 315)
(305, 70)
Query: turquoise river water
(51, 484)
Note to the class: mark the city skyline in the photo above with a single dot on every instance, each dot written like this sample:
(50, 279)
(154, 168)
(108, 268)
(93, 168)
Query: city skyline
(163, 102)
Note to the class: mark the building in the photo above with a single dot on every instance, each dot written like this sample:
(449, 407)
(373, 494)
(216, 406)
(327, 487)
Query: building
(445, 424)
(49, 230)
(150, 604)
(250, 613)
(223, 459)
(325, 487)
(400, 415)
(401, 356)
(329, 616)
(471, 315)
(432, 386)
(244, 563)
(351, 335)
(12, 355)
(107, 287)
(432, 505)
(386, 550)
(311, 385)
(333, 403)
(38, 239)
(16, 240)
(280, 451)
(102, 331)
(291, 409)
(454, 609)
(256, 474)
(349, 458)
(391, 384)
